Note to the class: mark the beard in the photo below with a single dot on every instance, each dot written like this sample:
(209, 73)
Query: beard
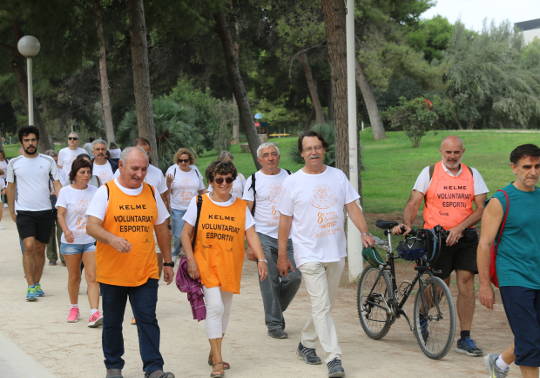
(30, 150)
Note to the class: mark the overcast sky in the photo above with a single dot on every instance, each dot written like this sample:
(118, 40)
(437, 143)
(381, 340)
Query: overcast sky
(473, 12)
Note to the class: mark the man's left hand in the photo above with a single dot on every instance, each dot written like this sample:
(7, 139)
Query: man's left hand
(454, 234)
(368, 240)
(168, 274)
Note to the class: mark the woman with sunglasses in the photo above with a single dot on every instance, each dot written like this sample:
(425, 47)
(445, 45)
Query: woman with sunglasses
(184, 182)
(76, 245)
(238, 183)
(217, 253)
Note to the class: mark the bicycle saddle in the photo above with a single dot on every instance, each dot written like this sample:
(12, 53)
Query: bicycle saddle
(385, 225)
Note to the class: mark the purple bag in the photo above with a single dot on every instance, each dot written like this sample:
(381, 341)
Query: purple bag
(193, 288)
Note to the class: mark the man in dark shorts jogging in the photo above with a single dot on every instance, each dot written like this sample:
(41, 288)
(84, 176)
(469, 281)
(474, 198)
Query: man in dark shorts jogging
(29, 176)
(453, 196)
(518, 262)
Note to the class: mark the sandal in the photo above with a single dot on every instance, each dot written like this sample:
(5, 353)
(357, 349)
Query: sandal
(218, 373)
(226, 365)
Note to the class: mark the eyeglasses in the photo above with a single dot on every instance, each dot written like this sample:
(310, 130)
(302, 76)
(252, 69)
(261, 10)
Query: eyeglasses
(73, 138)
(183, 160)
(313, 148)
(220, 180)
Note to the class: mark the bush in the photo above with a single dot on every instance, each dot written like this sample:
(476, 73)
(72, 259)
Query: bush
(415, 117)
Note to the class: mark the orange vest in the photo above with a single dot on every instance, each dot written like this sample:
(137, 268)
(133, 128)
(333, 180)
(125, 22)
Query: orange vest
(219, 248)
(131, 218)
(449, 199)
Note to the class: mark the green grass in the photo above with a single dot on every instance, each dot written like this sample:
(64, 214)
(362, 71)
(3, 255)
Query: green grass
(392, 165)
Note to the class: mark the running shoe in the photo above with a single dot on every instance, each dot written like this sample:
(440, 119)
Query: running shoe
(422, 319)
(73, 316)
(467, 346)
(31, 295)
(335, 369)
(308, 355)
(95, 320)
(491, 364)
(39, 291)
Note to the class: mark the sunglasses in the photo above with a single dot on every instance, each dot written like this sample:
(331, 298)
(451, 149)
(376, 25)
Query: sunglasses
(183, 160)
(220, 180)
(73, 138)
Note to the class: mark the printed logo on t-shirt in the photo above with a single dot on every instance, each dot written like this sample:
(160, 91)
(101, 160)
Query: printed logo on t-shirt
(325, 201)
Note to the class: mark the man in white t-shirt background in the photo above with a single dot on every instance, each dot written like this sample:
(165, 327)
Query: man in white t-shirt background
(262, 193)
(67, 154)
(101, 166)
(29, 201)
(311, 209)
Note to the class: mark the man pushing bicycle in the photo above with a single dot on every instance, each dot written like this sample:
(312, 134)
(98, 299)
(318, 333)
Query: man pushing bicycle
(453, 195)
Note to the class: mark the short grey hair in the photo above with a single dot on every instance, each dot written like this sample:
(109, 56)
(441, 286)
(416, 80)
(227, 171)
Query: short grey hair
(99, 141)
(266, 145)
(74, 133)
(225, 155)
(126, 151)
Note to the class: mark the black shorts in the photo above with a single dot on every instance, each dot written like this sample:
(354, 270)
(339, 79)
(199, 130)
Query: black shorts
(522, 307)
(460, 256)
(38, 224)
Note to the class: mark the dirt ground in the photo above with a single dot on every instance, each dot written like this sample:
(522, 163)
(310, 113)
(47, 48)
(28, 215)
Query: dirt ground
(66, 350)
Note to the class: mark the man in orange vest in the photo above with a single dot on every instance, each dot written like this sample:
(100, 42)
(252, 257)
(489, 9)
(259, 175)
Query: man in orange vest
(123, 217)
(453, 196)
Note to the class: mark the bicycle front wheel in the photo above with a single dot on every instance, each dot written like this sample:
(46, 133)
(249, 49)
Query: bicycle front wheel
(372, 297)
(434, 317)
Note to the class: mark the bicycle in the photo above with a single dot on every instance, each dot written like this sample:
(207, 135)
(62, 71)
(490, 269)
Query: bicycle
(380, 300)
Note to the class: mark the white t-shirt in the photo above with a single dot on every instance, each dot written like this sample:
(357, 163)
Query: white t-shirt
(64, 180)
(422, 181)
(98, 205)
(154, 177)
(76, 201)
(184, 187)
(191, 213)
(104, 172)
(316, 203)
(66, 157)
(237, 187)
(3, 167)
(32, 177)
(268, 189)
(2, 186)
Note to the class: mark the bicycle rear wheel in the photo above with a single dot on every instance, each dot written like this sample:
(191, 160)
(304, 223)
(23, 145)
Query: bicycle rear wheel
(434, 317)
(372, 297)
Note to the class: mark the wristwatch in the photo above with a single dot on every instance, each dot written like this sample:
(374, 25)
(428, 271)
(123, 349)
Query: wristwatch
(171, 264)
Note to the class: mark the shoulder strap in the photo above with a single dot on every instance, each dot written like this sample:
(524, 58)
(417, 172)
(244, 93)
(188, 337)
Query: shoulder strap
(431, 169)
(108, 190)
(288, 172)
(199, 206)
(505, 216)
(151, 189)
(252, 187)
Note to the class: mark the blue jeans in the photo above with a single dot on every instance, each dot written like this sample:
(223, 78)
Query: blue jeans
(143, 301)
(277, 292)
(177, 226)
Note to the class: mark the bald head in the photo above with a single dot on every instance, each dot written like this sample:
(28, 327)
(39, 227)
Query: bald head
(452, 150)
(133, 166)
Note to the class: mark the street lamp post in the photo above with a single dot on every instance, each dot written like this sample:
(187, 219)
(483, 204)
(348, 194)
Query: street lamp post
(29, 47)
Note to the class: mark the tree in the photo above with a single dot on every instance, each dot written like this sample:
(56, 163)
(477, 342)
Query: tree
(141, 75)
(334, 19)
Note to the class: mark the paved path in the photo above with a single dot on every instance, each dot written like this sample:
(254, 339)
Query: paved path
(36, 341)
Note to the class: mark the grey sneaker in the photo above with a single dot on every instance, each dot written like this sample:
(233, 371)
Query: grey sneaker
(159, 374)
(308, 355)
(335, 369)
(114, 373)
(493, 369)
(277, 333)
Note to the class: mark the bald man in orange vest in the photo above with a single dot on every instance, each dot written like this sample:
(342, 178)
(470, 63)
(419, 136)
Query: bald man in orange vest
(453, 195)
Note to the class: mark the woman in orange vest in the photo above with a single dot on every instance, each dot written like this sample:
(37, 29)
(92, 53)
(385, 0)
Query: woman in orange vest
(217, 253)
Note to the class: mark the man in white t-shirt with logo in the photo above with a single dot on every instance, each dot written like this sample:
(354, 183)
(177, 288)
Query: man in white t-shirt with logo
(29, 201)
(312, 209)
(101, 166)
(67, 154)
(262, 193)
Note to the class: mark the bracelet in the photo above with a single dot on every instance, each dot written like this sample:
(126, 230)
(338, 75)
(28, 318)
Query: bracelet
(262, 260)
(171, 264)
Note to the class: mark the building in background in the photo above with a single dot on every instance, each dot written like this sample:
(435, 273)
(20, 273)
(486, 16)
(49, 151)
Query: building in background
(530, 29)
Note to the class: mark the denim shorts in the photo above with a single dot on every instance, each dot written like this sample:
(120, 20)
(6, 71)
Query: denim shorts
(75, 249)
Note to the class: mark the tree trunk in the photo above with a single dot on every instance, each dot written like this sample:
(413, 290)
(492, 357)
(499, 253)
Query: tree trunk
(334, 20)
(104, 77)
(20, 75)
(377, 127)
(235, 125)
(141, 75)
(312, 87)
(239, 89)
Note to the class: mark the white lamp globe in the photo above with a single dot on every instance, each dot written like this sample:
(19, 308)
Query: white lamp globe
(28, 46)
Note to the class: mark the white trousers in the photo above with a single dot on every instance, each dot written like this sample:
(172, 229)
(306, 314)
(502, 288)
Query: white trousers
(218, 308)
(321, 281)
